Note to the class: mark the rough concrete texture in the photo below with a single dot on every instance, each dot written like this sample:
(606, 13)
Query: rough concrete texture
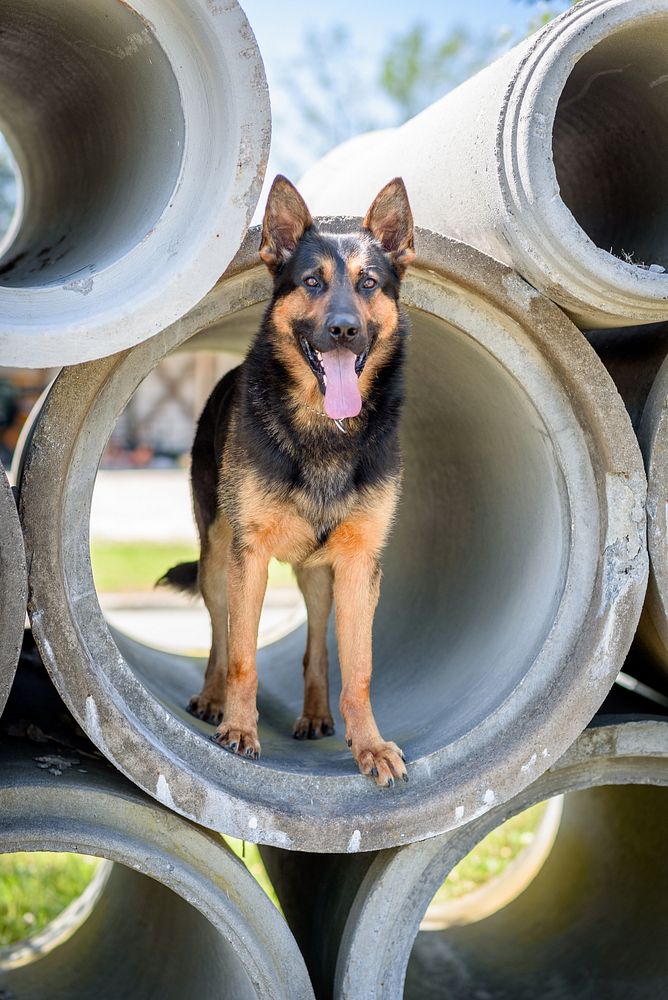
(123, 233)
(592, 923)
(550, 160)
(212, 931)
(13, 587)
(512, 583)
(637, 361)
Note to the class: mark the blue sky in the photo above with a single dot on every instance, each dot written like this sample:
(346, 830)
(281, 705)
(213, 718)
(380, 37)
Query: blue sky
(281, 28)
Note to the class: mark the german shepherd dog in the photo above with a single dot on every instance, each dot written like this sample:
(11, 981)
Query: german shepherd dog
(296, 456)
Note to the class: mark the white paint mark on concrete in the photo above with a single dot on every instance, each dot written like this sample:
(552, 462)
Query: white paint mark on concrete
(252, 823)
(163, 793)
(354, 842)
(459, 813)
(519, 290)
(489, 797)
(530, 763)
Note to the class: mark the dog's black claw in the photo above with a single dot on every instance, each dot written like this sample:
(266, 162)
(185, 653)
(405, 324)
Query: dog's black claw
(249, 752)
(232, 746)
(405, 777)
(299, 735)
(215, 738)
(312, 734)
(390, 783)
(328, 730)
(256, 754)
(349, 743)
(403, 757)
(374, 772)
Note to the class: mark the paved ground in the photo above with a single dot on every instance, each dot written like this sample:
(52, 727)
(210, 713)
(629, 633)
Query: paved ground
(154, 505)
(143, 504)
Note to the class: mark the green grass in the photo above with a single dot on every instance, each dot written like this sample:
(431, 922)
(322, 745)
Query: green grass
(36, 887)
(492, 855)
(132, 567)
(250, 855)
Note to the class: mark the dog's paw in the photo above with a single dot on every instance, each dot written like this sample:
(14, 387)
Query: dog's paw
(384, 762)
(240, 741)
(309, 727)
(206, 709)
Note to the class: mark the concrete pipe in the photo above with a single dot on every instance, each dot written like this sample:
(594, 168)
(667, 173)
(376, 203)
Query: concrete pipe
(140, 130)
(637, 360)
(565, 936)
(178, 915)
(550, 160)
(13, 587)
(512, 582)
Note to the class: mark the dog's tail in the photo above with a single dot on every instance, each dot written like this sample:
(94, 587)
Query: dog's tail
(183, 577)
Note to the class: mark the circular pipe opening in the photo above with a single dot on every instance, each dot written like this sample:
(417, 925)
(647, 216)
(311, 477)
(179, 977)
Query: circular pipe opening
(170, 913)
(90, 104)
(497, 870)
(138, 938)
(609, 143)
(566, 935)
(501, 485)
(141, 131)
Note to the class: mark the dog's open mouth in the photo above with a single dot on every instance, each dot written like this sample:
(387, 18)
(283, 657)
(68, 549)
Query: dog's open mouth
(337, 372)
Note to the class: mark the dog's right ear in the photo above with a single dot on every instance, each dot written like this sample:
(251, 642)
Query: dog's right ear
(286, 219)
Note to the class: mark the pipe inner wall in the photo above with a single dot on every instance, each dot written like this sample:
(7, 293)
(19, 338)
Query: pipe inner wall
(609, 142)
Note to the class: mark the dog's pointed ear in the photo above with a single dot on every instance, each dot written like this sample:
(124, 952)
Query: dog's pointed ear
(286, 219)
(390, 222)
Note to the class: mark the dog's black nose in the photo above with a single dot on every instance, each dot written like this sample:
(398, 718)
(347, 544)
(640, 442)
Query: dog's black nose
(342, 326)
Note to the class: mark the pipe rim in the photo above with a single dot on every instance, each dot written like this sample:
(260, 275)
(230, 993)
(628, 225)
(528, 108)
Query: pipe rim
(441, 781)
(13, 587)
(653, 438)
(608, 752)
(225, 99)
(530, 191)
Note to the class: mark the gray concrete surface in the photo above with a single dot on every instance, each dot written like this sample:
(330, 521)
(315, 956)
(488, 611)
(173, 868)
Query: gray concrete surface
(13, 587)
(551, 160)
(512, 583)
(592, 923)
(123, 233)
(637, 361)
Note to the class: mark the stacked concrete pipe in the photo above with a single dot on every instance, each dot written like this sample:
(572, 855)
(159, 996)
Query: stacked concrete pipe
(140, 130)
(13, 587)
(512, 584)
(593, 921)
(550, 160)
(637, 359)
(178, 914)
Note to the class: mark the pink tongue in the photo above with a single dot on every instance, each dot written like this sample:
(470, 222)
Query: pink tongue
(342, 394)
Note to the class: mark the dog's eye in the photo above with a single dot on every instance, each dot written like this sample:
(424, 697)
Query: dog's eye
(311, 281)
(369, 282)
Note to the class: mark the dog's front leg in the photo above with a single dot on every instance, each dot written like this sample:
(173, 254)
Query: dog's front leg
(247, 583)
(356, 591)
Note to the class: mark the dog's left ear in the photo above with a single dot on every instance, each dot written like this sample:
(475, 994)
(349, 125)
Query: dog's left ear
(286, 219)
(390, 221)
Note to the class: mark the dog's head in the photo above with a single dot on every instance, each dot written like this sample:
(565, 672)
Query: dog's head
(336, 297)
